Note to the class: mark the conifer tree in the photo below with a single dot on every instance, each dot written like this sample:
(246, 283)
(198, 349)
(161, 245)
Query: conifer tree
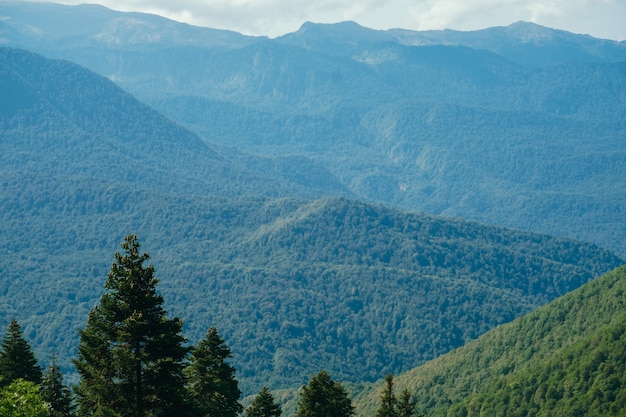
(263, 405)
(55, 392)
(211, 380)
(406, 405)
(130, 355)
(16, 357)
(388, 400)
(323, 397)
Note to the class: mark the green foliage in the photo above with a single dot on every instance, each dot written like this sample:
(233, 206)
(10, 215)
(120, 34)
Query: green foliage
(587, 378)
(319, 284)
(263, 405)
(302, 285)
(392, 406)
(130, 356)
(323, 397)
(406, 405)
(388, 401)
(17, 361)
(55, 393)
(566, 358)
(211, 380)
(22, 399)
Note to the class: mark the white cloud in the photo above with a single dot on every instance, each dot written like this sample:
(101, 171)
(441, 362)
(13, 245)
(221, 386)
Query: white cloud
(600, 18)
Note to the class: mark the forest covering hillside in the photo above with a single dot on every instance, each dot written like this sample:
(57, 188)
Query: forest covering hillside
(68, 121)
(264, 213)
(293, 285)
(518, 126)
(566, 358)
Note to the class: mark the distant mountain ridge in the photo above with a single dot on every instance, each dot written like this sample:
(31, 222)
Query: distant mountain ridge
(524, 43)
(518, 126)
(46, 24)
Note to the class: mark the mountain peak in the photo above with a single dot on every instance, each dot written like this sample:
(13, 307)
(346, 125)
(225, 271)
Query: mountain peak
(530, 32)
(347, 31)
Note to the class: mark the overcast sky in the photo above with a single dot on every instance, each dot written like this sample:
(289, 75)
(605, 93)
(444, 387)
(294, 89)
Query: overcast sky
(599, 18)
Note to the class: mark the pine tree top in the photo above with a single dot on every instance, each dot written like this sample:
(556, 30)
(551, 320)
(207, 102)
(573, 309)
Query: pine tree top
(16, 357)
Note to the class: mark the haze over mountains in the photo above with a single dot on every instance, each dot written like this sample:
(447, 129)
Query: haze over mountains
(520, 126)
(254, 169)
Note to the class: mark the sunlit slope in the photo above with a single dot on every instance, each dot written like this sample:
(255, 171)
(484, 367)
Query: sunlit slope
(566, 358)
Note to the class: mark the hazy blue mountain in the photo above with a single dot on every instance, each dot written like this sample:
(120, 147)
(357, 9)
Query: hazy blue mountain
(43, 25)
(66, 120)
(525, 43)
(520, 126)
(295, 285)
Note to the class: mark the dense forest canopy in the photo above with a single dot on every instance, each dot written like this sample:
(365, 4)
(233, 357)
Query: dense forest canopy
(282, 187)
(566, 358)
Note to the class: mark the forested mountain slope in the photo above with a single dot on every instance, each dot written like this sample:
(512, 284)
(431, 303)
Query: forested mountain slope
(293, 285)
(566, 358)
(61, 119)
(520, 126)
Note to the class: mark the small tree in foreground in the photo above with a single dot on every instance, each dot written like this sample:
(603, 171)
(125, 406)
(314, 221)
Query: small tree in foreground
(21, 398)
(388, 401)
(406, 405)
(323, 397)
(55, 392)
(211, 380)
(263, 405)
(16, 358)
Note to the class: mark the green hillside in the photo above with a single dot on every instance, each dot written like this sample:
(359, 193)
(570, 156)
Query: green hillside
(68, 121)
(294, 285)
(566, 358)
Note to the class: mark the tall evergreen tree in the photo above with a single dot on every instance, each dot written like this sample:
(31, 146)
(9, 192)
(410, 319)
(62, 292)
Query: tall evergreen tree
(323, 397)
(263, 405)
(16, 357)
(211, 380)
(406, 405)
(55, 392)
(388, 400)
(130, 355)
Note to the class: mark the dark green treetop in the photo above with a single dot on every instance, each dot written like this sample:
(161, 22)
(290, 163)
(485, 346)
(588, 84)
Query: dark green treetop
(388, 400)
(323, 397)
(406, 405)
(55, 392)
(130, 355)
(16, 357)
(263, 405)
(211, 380)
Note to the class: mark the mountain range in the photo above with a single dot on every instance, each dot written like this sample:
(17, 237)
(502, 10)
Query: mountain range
(291, 190)
(295, 284)
(518, 126)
